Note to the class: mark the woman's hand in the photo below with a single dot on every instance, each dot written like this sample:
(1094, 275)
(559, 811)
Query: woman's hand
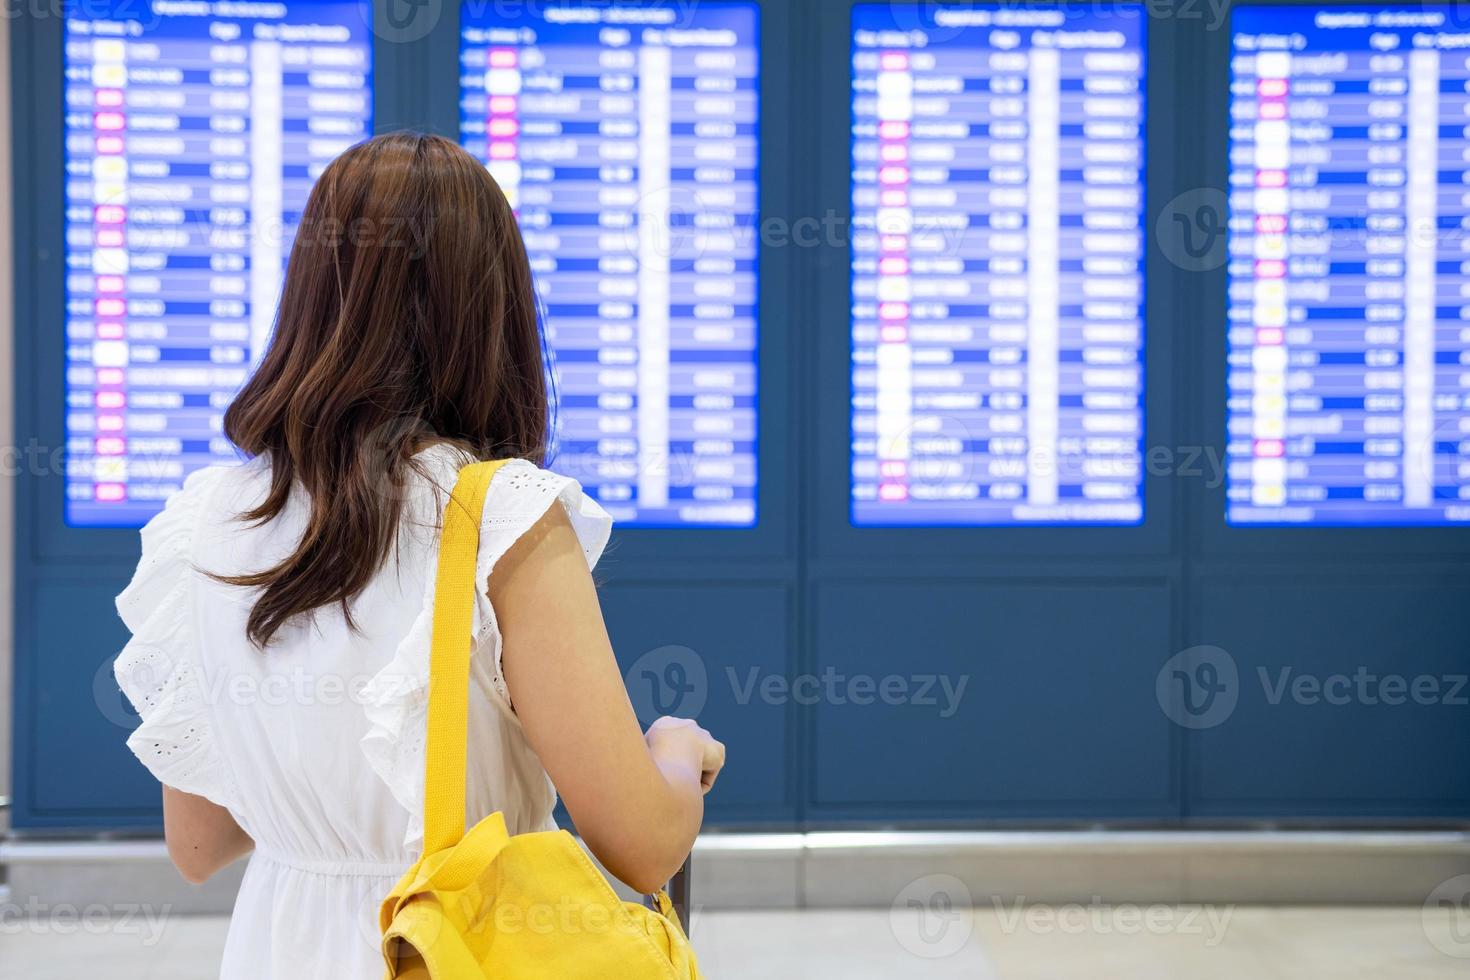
(683, 741)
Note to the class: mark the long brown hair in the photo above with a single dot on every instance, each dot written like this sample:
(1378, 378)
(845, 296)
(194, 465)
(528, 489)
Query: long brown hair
(408, 317)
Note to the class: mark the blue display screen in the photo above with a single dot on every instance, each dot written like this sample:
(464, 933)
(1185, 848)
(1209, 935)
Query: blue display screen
(627, 139)
(1349, 265)
(997, 329)
(192, 141)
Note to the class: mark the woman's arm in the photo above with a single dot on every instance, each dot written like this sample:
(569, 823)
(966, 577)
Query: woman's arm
(202, 837)
(637, 802)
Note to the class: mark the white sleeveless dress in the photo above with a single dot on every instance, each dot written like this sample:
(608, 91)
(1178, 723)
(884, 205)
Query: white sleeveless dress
(316, 746)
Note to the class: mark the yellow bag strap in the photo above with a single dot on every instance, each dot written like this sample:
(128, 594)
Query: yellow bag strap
(455, 585)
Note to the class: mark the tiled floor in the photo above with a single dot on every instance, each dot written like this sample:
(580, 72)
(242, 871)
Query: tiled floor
(1040, 943)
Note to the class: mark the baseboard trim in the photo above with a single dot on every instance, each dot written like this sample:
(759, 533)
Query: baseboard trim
(121, 876)
(872, 870)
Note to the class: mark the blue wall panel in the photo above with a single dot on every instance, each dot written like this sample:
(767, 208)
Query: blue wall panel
(77, 713)
(1353, 695)
(1056, 715)
(710, 651)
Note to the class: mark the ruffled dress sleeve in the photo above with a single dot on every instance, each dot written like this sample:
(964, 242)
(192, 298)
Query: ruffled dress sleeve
(396, 700)
(520, 496)
(159, 670)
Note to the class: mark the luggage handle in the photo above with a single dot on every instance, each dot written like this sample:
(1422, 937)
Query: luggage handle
(678, 892)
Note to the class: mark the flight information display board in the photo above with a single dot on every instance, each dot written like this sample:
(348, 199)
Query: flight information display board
(1349, 266)
(627, 139)
(194, 131)
(997, 264)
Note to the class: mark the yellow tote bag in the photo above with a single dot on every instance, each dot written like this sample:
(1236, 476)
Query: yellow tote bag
(484, 904)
